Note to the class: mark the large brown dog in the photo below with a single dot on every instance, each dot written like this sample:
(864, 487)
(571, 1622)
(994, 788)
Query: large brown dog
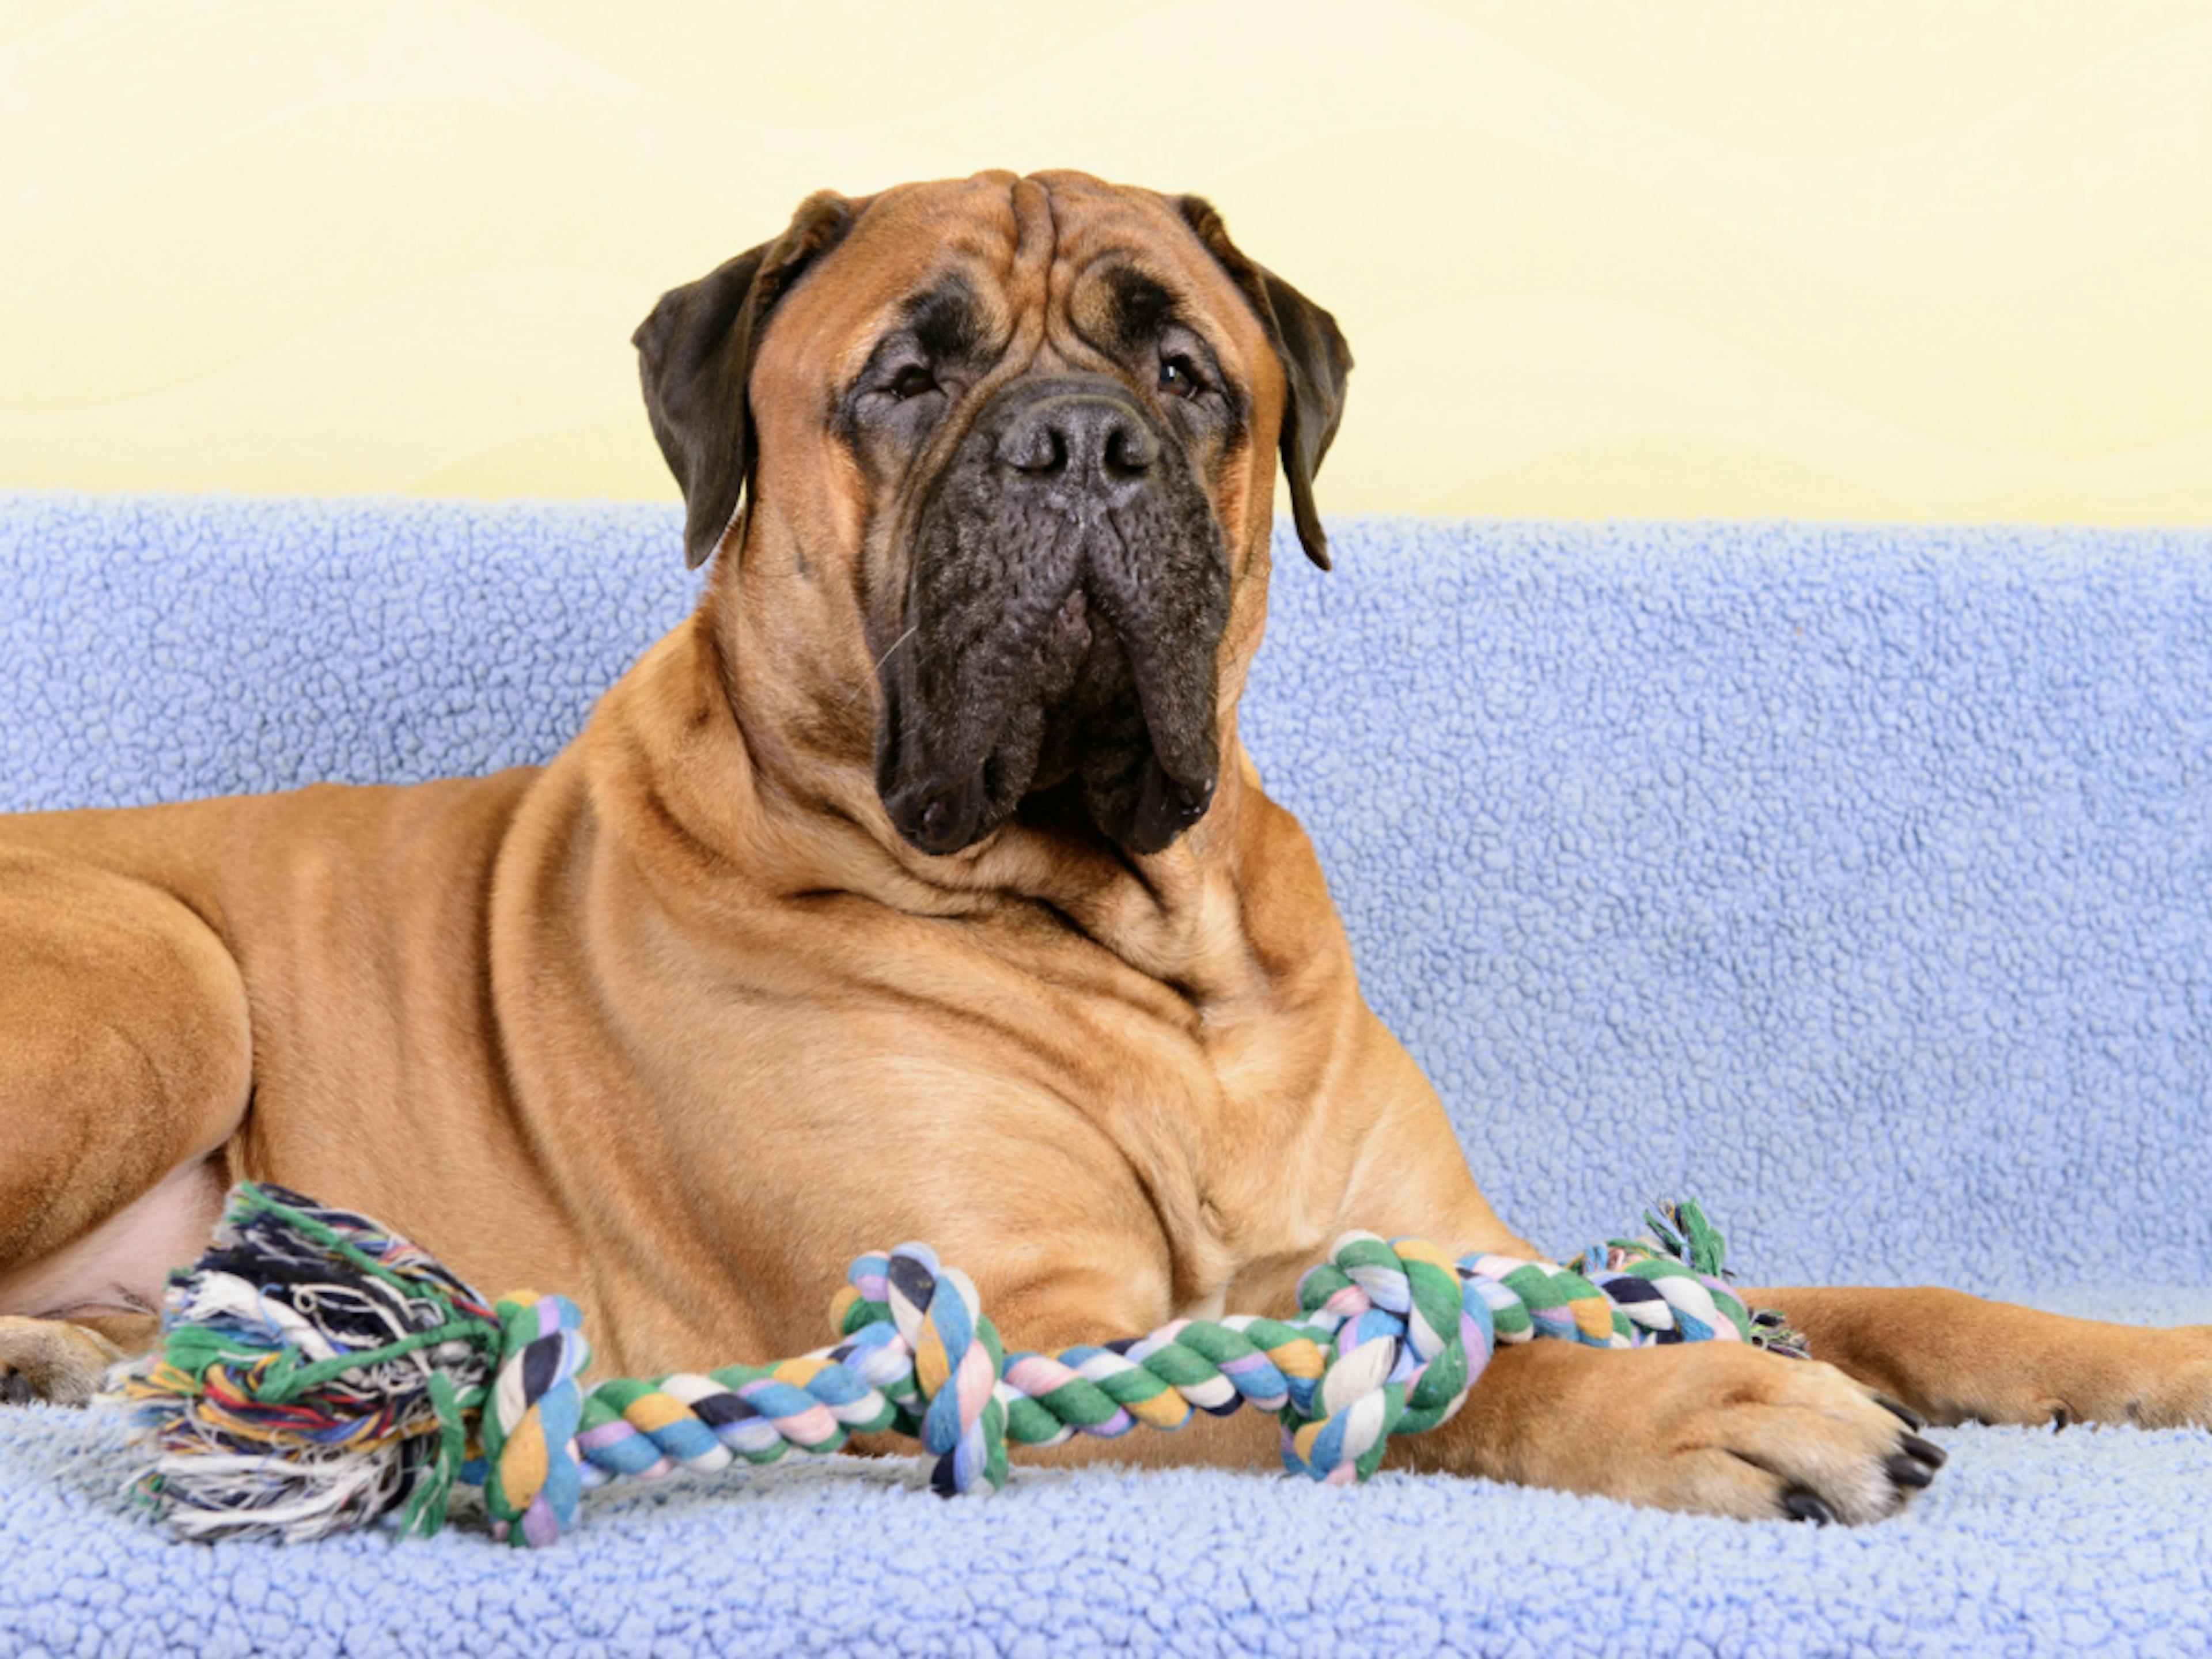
(916, 886)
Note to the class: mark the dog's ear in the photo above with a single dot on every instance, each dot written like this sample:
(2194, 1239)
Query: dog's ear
(1316, 361)
(694, 356)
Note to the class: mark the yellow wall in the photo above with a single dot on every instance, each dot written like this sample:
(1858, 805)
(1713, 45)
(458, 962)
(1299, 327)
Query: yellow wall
(1873, 259)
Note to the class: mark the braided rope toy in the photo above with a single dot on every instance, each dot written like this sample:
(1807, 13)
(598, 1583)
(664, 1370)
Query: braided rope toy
(319, 1371)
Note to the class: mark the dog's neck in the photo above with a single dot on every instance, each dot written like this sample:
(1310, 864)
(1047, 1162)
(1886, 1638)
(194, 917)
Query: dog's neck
(724, 748)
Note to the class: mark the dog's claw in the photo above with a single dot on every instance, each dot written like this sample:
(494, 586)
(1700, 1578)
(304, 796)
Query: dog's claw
(1903, 1413)
(1926, 1450)
(1805, 1506)
(1907, 1471)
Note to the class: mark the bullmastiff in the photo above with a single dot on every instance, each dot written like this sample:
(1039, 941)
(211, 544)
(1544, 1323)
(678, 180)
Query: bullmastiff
(915, 886)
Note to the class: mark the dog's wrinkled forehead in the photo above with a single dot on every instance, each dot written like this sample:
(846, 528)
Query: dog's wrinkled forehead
(989, 278)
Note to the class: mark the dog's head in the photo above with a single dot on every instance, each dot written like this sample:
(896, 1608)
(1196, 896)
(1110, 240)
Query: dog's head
(1005, 450)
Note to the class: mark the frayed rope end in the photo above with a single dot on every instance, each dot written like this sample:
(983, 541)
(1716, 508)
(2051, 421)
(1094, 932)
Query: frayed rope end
(316, 1371)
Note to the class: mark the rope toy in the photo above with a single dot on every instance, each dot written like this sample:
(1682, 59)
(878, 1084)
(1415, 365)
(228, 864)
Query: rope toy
(319, 1371)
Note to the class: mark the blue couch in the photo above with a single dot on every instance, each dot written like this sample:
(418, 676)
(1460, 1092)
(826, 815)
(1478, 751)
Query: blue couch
(1856, 881)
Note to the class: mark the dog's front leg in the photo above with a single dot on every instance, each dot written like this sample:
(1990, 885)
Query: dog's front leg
(1709, 1427)
(1706, 1428)
(1956, 1358)
(1712, 1428)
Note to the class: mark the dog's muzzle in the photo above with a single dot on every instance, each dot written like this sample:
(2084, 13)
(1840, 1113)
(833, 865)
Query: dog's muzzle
(1067, 591)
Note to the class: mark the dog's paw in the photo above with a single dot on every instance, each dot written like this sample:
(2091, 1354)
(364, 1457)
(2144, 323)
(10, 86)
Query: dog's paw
(1747, 1434)
(1959, 1359)
(2153, 1379)
(52, 1361)
(2034, 1368)
(1705, 1428)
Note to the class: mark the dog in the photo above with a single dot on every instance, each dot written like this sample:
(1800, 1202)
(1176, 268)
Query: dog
(915, 885)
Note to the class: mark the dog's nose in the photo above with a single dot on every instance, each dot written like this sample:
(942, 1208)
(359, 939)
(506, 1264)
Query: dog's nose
(1084, 440)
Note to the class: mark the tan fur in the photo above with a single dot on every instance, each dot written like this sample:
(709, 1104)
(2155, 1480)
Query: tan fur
(677, 1024)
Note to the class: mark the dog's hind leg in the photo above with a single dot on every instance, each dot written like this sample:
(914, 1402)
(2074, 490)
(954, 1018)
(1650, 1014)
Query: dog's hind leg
(126, 1065)
(1954, 1359)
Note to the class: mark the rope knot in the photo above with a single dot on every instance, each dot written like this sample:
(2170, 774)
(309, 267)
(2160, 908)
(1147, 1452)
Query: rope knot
(1405, 1340)
(532, 1477)
(957, 1355)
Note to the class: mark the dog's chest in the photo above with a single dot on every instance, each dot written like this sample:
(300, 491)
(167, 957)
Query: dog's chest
(1208, 1103)
(1005, 1091)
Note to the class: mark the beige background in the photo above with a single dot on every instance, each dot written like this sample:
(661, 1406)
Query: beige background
(1932, 260)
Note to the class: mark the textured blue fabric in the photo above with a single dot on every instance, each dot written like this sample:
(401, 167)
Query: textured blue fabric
(1857, 882)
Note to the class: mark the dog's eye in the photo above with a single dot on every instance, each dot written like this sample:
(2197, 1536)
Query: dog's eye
(912, 381)
(1179, 376)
